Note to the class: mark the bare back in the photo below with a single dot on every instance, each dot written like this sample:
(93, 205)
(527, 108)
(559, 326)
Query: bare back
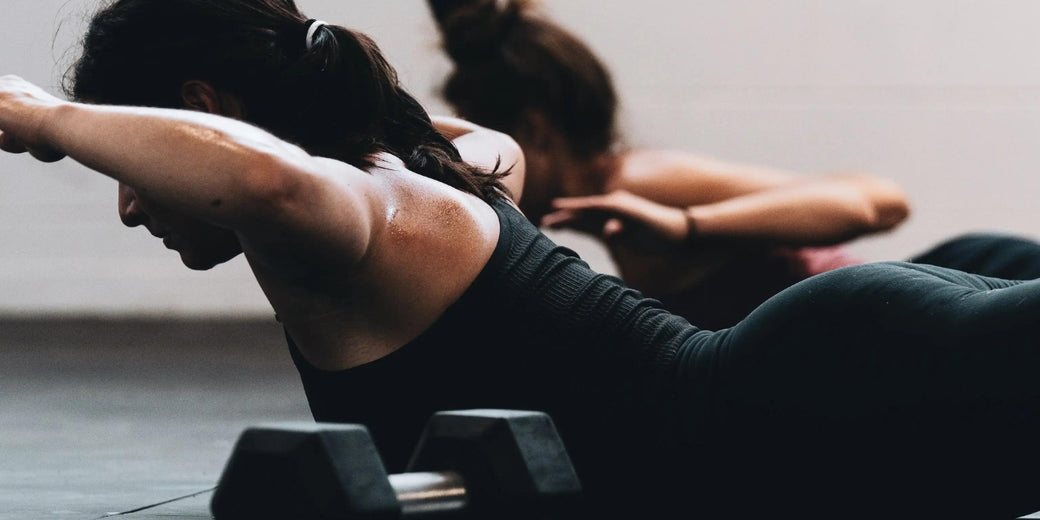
(429, 242)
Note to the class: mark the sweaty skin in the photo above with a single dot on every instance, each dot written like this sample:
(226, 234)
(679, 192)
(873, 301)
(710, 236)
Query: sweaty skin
(881, 385)
(344, 256)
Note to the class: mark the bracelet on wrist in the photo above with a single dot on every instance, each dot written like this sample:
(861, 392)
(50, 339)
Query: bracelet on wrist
(691, 226)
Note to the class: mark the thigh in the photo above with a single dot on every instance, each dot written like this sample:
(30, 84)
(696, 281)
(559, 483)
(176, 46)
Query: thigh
(912, 381)
(892, 333)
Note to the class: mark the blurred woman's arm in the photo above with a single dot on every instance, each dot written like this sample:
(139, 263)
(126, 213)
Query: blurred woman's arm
(722, 199)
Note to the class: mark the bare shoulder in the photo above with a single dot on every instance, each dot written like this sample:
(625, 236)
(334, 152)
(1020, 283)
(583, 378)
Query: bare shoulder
(429, 227)
(370, 226)
(430, 241)
(414, 200)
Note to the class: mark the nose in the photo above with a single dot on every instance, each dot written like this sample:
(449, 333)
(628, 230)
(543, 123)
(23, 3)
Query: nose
(130, 211)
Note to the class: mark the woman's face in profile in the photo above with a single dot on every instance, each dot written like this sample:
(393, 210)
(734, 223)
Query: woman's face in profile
(200, 244)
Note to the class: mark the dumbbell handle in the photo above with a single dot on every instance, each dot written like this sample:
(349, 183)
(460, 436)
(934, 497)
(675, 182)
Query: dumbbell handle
(429, 492)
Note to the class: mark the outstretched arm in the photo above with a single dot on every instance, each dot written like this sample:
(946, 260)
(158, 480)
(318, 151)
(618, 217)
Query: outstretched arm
(218, 169)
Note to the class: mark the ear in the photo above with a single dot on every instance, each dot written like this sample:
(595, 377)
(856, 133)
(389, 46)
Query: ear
(200, 96)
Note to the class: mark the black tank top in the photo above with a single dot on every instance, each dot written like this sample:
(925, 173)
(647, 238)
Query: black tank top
(537, 330)
(809, 403)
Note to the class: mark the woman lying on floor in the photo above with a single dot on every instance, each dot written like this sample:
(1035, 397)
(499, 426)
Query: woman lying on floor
(391, 248)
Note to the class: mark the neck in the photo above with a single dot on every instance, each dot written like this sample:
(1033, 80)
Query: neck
(553, 174)
(593, 176)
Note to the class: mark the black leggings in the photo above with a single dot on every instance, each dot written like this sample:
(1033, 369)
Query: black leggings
(877, 384)
(989, 254)
(725, 298)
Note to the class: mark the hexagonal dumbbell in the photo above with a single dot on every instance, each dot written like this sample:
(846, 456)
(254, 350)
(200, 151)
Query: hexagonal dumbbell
(472, 463)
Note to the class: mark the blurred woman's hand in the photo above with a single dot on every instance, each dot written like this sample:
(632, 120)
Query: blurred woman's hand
(617, 213)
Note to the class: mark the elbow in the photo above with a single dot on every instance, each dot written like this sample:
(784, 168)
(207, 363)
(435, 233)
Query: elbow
(511, 155)
(884, 203)
(513, 164)
(876, 218)
(892, 207)
(484, 138)
(892, 215)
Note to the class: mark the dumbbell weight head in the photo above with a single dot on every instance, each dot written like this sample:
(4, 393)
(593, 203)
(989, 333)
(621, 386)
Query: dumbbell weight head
(304, 471)
(472, 463)
(511, 460)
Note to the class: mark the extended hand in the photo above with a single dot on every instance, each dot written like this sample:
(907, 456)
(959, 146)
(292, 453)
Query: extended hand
(23, 110)
(615, 212)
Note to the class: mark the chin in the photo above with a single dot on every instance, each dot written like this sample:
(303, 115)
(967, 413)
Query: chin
(198, 266)
(205, 258)
(199, 263)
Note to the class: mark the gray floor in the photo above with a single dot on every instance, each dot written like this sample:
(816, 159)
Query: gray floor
(108, 417)
(134, 417)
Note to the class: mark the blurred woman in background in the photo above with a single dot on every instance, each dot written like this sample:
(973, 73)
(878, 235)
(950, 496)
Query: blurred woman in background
(729, 235)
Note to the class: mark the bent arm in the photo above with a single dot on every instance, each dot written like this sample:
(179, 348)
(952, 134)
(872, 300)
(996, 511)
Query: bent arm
(487, 149)
(827, 210)
(748, 202)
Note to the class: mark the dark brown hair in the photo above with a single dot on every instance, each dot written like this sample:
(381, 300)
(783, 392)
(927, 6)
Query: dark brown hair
(509, 59)
(338, 99)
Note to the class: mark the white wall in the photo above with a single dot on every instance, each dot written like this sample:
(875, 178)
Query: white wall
(941, 95)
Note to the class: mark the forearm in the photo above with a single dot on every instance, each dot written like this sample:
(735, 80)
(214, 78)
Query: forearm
(811, 213)
(209, 166)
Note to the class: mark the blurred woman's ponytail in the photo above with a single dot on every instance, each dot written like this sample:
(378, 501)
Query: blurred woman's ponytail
(474, 31)
(510, 60)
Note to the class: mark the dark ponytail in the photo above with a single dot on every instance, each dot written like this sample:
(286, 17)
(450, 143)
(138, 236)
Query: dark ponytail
(337, 97)
(404, 129)
(511, 60)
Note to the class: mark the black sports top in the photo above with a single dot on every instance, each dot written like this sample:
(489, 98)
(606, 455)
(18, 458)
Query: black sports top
(873, 390)
(537, 330)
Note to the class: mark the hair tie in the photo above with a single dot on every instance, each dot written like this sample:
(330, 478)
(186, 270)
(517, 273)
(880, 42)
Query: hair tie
(312, 28)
